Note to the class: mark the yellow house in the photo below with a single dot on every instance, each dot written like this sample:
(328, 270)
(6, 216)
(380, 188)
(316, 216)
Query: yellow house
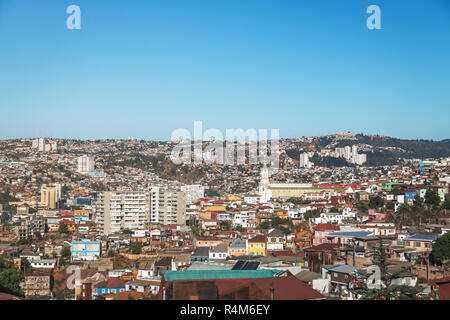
(234, 198)
(216, 208)
(282, 214)
(257, 246)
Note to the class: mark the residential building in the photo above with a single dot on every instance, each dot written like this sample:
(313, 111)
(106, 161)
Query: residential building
(167, 206)
(119, 210)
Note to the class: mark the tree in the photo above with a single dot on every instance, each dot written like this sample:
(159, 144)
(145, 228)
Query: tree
(65, 255)
(136, 248)
(10, 278)
(375, 202)
(63, 228)
(361, 206)
(432, 198)
(264, 225)
(225, 225)
(386, 290)
(441, 249)
(25, 266)
(446, 204)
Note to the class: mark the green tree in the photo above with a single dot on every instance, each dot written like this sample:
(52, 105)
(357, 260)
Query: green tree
(63, 228)
(136, 248)
(25, 266)
(432, 198)
(225, 225)
(362, 206)
(375, 202)
(65, 255)
(264, 225)
(446, 204)
(387, 290)
(10, 278)
(441, 249)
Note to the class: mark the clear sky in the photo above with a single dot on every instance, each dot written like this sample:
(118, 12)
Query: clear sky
(144, 68)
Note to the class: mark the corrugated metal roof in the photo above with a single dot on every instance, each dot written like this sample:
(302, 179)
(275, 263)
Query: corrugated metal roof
(218, 274)
(423, 237)
(350, 234)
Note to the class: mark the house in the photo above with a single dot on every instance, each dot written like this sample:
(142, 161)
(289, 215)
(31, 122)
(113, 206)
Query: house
(303, 238)
(271, 288)
(342, 278)
(321, 232)
(347, 237)
(43, 263)
(143, 286)
(112, 285)
(276, 240)
(85, 250)
(237, 248)
(125, 295)
(219, 252)
(257, 246)
(206, 242)
(37, 284)
(440, 288)
(145, 269)
(200, 254)
(420, 242)
(161, 265)
(321, 255)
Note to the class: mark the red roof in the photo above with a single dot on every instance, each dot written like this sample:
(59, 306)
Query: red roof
(111, 283)
(284, 288)
(325, 227)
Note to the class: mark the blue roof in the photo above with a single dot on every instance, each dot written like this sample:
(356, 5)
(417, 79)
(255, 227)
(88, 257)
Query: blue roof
(350, 234)
(423, 237)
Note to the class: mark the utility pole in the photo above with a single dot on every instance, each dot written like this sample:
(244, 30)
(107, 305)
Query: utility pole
(354, 250)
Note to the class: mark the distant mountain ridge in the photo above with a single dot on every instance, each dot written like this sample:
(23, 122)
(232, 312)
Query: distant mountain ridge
(380, 150)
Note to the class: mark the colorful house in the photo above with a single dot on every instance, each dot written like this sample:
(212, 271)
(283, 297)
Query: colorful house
(112, 285)
(237, 248)
(303, 238)
(257, 246)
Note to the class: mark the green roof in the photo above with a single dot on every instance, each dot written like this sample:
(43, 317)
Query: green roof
(207, 266)
(218, 274)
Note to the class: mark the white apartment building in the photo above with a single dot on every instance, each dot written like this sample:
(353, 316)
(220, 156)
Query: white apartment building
(244, 218)
(86, 164)
(119, 210)
(304, 160)
(167, 206)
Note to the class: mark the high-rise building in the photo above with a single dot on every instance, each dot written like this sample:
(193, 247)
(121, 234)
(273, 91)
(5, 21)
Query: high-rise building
(86, 164)
(41, 144)
(167, 206)
(50, 196)
(116, 211)
(304, 160)
(347, 152)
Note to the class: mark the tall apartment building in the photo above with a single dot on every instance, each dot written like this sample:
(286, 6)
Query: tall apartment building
(167, 206)
(116, 211)
(50, 196)
(86, 164)
(304, 160)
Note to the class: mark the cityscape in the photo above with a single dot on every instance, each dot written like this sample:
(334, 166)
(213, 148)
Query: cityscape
(224, 157)
(117, 220)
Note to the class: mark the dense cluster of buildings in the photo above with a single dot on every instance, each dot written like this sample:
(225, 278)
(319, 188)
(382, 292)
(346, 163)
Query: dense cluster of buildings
(304, 232)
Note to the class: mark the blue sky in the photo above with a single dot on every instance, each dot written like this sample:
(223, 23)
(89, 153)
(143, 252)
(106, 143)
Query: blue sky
(144, 68)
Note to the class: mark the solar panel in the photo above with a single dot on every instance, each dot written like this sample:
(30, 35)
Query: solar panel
(238, 265)
(251, 265)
